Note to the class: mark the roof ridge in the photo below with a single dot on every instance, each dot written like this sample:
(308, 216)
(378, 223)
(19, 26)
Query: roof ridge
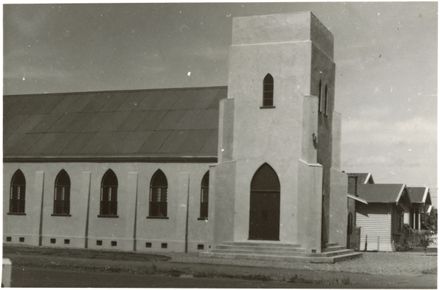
(114, 91)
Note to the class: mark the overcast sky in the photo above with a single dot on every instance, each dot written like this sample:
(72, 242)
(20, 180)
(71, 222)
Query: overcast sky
(385, 54)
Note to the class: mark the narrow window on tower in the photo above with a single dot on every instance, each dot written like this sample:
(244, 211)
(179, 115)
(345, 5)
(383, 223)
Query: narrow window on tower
(204, 195)
(319, 97)
(268, 91)
(325, 101)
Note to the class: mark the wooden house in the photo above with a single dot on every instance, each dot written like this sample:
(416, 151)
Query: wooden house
(381, 219)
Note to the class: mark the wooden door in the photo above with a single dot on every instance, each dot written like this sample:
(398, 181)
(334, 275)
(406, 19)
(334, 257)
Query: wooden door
(264, 223)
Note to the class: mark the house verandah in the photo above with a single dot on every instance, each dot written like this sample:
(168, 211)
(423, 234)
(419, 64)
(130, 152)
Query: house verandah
(421, 205)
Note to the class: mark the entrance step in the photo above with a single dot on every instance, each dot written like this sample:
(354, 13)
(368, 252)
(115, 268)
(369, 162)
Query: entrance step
(260, 245)
(278, 251)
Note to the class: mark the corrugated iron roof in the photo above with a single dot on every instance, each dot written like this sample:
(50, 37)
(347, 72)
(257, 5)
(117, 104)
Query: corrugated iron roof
(181, 122)
(381, 193)
(419, 195)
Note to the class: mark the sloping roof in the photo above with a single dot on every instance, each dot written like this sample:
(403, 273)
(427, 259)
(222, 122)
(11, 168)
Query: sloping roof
(361, 200)
(419, 194)
(363, 178)
(140, 123)
(381, 193)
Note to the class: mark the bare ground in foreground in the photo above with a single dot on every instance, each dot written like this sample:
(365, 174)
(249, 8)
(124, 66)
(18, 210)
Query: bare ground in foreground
(372, 270)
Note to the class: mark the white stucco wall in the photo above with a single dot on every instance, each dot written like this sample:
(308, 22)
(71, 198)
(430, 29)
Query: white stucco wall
(133, 179)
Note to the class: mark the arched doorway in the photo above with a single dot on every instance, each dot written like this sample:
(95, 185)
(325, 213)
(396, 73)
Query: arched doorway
(264, 213)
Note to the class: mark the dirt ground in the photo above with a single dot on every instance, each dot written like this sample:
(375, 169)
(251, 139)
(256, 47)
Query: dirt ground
(372, 270)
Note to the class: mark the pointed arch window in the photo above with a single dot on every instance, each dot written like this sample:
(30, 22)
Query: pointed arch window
(158, 195)
(268, 86)
(109, 195)
(61, 202)
(204, 196)
(17, 194)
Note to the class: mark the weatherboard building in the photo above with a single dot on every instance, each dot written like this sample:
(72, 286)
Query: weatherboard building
(189, 169)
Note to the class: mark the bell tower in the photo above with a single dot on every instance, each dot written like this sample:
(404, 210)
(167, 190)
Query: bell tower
(277, 124)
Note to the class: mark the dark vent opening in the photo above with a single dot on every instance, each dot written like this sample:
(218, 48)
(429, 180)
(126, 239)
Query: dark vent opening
(21, 239)
(147, 245)
(200, 246)
(66, 241)
(99, 242)
(164, 245)
(8, 239)
(53, 241)
(114, 243)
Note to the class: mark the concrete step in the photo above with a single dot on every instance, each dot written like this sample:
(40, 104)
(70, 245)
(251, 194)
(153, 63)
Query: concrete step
(332, 253)
(272, 257)
(334, 247)
(258, 250)
(262, 244)
(279, 251)
(257, 247)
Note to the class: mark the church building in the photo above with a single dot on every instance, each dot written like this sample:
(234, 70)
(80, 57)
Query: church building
(256, 163)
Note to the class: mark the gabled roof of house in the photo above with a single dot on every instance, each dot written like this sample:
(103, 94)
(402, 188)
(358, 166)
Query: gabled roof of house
(363, 178)
(419, 195)
(381, 193)
(155, 123)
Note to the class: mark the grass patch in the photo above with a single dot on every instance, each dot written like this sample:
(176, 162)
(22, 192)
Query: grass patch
(430, 271)
(297, 279)
(84, 253)
(174, 273)
(255, 277)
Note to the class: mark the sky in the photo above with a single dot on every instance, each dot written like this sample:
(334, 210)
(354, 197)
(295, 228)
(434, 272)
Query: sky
(385, 55)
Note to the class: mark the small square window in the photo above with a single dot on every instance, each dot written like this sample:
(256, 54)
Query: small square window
(114, 243)
(21, 239)
(99, 242)
(200, 246)
(147, 245)
(53, 241)
(8, 239)
(66, 241)
(164, 245)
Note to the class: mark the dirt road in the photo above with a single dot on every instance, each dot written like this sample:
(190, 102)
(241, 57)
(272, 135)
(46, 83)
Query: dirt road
(43, 267)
